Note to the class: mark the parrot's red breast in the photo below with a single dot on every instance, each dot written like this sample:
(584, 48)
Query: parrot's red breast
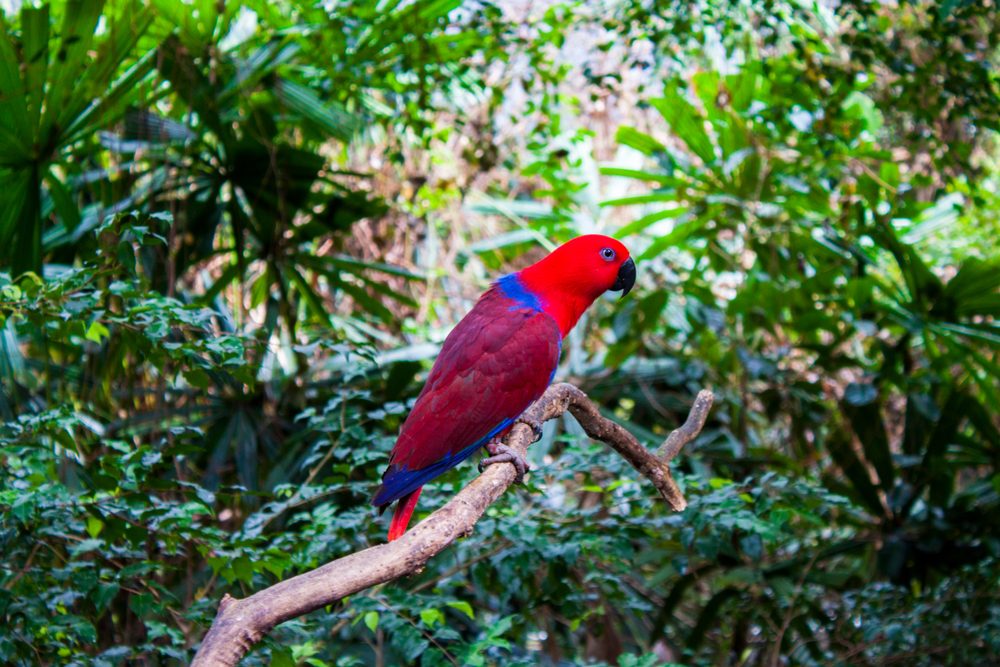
(497, 361)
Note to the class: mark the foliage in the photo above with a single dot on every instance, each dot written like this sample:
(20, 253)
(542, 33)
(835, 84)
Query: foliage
(57, 88)
(228, 232)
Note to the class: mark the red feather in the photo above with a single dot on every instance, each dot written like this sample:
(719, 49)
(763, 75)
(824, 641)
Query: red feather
(401, 516)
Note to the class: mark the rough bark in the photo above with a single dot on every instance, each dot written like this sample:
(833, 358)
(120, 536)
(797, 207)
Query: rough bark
(240, 623)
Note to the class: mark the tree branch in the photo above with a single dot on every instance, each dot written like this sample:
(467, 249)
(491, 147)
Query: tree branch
(240, 623)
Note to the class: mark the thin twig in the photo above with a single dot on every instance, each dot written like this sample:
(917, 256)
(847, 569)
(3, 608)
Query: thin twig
(24, 569)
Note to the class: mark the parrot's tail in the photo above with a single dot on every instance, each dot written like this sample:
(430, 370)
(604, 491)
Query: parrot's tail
(401, 515)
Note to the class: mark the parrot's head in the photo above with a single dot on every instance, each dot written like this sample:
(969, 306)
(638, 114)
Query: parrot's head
(573, 275)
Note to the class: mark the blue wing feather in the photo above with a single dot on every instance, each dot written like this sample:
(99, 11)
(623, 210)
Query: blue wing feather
(400, 481)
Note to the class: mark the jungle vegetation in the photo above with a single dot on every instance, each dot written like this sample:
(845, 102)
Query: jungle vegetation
(233, 235)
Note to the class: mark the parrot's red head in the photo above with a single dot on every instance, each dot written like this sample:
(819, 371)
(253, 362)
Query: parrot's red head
(573, 275)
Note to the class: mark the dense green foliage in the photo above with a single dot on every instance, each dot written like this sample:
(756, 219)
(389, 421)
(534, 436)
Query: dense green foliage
(232, 235)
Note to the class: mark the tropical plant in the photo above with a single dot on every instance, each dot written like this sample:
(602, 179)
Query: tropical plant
(58, 86)
(232, 235)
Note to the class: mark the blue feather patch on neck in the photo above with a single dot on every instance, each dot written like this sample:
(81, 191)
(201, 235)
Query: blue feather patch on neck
(514, 289)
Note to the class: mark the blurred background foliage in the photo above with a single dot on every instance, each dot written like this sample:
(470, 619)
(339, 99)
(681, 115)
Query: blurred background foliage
(232, 237)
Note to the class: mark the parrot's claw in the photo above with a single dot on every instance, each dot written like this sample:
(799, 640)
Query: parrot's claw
(535, 426)
(501, 453)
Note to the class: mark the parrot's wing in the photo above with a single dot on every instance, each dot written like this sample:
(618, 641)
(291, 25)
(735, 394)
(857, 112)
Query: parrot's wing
(493, 365)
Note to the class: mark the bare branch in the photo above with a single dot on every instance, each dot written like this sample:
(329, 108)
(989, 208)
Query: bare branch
(240, 623)
(690, 429)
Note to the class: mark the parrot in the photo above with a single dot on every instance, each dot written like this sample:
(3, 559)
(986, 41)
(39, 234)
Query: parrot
(495, 363)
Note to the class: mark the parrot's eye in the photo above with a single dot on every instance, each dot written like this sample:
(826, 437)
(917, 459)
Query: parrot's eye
(608, 254)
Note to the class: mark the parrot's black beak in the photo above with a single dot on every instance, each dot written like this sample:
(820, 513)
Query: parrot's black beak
(626, 277)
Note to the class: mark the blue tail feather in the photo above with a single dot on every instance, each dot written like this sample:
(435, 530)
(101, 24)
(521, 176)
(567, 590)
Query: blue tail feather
(398, 482)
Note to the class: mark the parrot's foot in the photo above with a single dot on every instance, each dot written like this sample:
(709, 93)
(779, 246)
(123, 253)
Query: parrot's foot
(501, 453)
(535, 426)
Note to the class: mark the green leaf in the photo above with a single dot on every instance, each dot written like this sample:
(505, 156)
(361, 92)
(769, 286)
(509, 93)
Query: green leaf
(243, 569)
(17, 133)
(228, 275)
(981, 332)
(654, 198)
(10, 293)
(371, 620)
(345, 261)
(13, 199)
(431, 617)
(97, 332)
(678, 235)
(463, 607)
(332, 118)
(35, 23)
(645, 221)
(308, 294)
(686, 123)
(744, 84)
(637, 174)
(260, 290)
(119, 95)
(76, 35)
(867, 423)
(843, 454)
(282, 657)
(937, 475)
(175, 64)
(436, 9)
(103, 594)
(94, 526)
(369, 304)
(63, 202)
(26, 251)
(640, 141)
(863, 108)
(975, 289)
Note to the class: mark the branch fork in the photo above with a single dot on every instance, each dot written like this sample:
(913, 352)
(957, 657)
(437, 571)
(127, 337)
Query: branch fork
(240, 623)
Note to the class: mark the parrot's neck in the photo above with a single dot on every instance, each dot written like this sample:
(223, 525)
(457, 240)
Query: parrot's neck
(565, 306)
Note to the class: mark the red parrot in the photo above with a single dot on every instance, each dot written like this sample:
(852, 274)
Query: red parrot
(496, 362)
